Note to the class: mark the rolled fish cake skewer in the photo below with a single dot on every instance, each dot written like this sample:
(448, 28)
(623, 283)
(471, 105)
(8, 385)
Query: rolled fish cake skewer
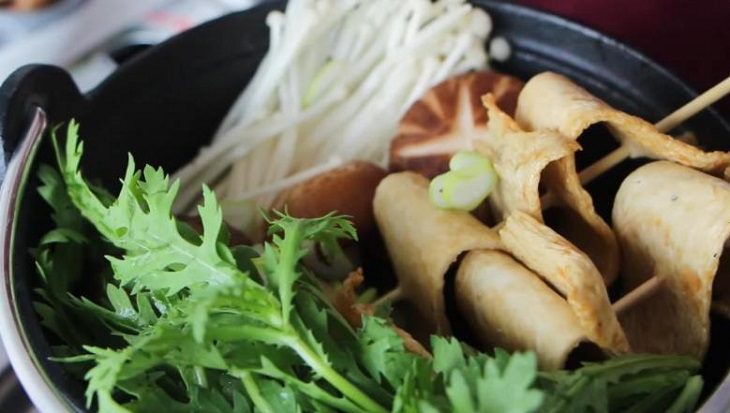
(451, 117)
(570, 271)
(527, 160)
(553, 102)
(674, 222)
(563, 184)
(425, 242)
(623, 304)
(520, 158)
(511, 307)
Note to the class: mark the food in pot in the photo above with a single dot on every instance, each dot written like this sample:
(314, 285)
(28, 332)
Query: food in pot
(514, 315)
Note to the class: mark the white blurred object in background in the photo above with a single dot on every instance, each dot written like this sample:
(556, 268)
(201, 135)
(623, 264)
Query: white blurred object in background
(78, 34)
(65, 39)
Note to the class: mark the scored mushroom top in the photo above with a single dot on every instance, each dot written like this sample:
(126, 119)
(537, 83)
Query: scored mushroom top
(347, 190)
(447, 119)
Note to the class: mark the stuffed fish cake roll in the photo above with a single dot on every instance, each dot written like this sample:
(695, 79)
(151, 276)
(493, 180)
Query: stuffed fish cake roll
(553, 102)
(508, 306)
(571, 273)
(674, 222)
(423, 241)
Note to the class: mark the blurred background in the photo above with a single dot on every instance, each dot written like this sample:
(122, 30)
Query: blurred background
(91, 38)
(689, 37)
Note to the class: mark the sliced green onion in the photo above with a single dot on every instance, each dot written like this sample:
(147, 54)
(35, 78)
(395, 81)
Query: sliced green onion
(469, 182)
(438, 190)
(469, 163)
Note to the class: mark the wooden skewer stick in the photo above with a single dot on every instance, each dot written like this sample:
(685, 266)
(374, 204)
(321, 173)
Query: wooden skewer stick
(604, 164)
(548, 200)
(599, 167)
(394, 295)
(690, 109)
(638, 294)
(697, 104)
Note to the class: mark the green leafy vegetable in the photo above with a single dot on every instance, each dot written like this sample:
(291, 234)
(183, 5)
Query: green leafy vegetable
(182, 322)
(644, 383)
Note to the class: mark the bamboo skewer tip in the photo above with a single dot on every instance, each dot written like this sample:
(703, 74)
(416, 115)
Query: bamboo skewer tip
(638, 294)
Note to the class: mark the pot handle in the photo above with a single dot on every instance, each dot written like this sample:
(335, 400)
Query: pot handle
(32, 94)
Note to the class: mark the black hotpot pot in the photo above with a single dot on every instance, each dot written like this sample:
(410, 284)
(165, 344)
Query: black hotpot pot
(165, 103)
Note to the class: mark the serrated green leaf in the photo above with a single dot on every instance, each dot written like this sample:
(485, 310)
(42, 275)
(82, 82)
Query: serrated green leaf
(145, 313)
(280, 258)
(63, 235)
(120, 302)
(281, 399)
(383, 352)
(509, 390)
(447, 354)
(53, 191)
(460, 396)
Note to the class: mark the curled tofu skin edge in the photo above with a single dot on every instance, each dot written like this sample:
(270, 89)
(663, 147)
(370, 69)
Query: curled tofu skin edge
(582, 226)
(423, 241)
(506, 305)
(553, 102)
(519, 158)
(571, 273)
(674, 222)
(522, 159)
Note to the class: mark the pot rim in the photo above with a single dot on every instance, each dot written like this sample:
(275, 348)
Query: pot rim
(23, 360)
